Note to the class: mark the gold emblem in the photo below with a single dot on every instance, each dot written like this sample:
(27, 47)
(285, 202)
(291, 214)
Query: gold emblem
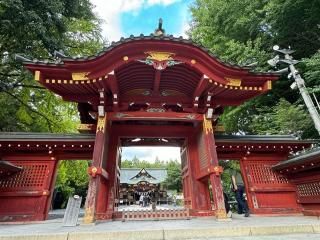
(85, 127)
(160, 56)
(207, 125)
(269, 85)
(219, 128)
(101, 123)
(80, 76)
(37, 75)
(234, 82)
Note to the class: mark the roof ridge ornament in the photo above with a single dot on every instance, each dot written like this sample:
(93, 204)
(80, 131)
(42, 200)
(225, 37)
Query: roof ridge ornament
(160, 31)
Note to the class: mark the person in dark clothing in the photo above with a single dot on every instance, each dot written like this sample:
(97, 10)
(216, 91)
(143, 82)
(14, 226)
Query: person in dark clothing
(238, 188)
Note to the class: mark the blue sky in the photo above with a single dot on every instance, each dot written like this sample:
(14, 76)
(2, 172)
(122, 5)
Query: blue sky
(124, 17)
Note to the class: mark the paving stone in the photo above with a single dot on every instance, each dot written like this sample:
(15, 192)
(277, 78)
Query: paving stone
(274, 230)
(205, 233)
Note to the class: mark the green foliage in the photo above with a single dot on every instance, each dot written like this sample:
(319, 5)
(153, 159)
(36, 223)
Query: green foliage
(312, 72)
(72, 178)
(228, 166)
(294, 23)
(174, 178)
(243, 32)
(137, 163)
(284, 118)
(35, 28)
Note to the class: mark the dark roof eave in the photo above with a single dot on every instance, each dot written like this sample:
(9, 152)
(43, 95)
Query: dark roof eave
(298, 160)
(51, 137)
(9, 166)
(261, 139)
(48, 137)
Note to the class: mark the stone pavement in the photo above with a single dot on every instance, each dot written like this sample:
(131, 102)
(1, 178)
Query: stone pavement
(273, 237)
(197, 228)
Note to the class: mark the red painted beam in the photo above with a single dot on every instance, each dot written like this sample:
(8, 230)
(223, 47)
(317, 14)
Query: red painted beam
(152, 131)
(156, 83)
(202, 85)
(152, 99)
(25, 193)
(155, 116)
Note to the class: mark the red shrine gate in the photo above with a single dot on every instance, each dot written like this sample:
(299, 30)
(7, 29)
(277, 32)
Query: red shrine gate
(149, 87)
(26, 194)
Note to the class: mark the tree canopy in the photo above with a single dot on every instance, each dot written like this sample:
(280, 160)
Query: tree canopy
(36, 28)
(244, 32)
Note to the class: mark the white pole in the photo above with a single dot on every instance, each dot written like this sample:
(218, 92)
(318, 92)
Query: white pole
(315, 98)
(305, 95)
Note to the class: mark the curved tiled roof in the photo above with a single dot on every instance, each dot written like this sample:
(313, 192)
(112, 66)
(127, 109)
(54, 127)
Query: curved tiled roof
(301, 159)
(127, 175)
(133, 38)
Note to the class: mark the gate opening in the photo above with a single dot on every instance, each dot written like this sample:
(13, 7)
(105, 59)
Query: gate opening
(72, 179)
(150, 182)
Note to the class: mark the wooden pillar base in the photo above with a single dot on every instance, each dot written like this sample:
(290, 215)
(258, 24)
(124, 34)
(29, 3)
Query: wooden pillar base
(217, 192)
(88, 216)
(221, 214)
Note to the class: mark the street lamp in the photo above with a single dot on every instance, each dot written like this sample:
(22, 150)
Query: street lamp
(299, 82)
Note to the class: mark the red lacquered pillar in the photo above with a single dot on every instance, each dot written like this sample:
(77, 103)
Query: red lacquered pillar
(214, 169)
(95, 170)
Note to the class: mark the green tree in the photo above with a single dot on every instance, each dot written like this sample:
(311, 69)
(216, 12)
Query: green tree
(35, 28)
(72, 179)
(245, 31)
(284, 118)
(174, 178)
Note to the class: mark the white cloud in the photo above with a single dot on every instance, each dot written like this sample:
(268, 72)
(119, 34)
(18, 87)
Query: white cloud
(110, 10)
(161, 2)
(151, 153)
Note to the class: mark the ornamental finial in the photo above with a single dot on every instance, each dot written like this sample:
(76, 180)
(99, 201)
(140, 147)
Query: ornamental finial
(159, 31)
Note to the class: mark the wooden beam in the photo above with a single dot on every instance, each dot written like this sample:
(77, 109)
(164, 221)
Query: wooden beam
(144, 131)
(155, 116)
(82, 98)
(172, 100)
(113, 85)
(202, 85)
(156, 83)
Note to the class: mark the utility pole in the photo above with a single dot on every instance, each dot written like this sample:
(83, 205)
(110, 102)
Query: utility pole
(299, 82)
